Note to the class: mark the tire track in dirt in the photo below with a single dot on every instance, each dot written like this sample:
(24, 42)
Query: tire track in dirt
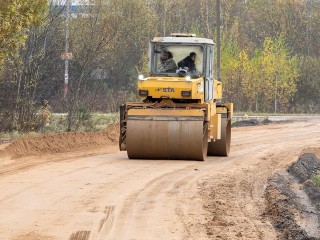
(99, 230)
(246, 187)
(221, 198)
(152, 191)
(147, 200)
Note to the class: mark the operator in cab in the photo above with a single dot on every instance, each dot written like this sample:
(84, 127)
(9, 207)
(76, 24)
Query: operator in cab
(167, 64)
(188, 63)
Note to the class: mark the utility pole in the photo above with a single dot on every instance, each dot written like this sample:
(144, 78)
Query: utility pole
(66, 54)
(275, 95)
(218, 41)
(164, 19)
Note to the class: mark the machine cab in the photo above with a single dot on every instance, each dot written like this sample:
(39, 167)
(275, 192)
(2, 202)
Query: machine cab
(179, 47)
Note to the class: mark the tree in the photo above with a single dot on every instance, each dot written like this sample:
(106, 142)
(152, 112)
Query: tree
(16, 18)
(264, 81)
(261, 44)
(112, 40)
(30, 76)
(307, 97)
(279, 74)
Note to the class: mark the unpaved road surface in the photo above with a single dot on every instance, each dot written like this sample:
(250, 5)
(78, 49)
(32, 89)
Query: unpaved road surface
(100, 194)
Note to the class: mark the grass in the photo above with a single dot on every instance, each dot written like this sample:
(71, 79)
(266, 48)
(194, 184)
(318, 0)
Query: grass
(88, 123)
(241, 116)
(316, 180)
(16, 134)
(273, 114)
(58, 123)
(99, 121)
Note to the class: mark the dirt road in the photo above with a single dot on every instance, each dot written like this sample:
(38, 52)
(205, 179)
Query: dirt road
(103, 195)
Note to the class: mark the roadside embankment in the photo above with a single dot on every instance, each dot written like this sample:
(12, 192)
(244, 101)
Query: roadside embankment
(60, 142)
(293, 200)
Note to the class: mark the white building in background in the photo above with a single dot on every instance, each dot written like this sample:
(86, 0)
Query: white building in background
(73, 2)
(77, 7)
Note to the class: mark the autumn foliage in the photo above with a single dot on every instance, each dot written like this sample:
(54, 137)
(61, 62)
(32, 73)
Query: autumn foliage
(270, 53)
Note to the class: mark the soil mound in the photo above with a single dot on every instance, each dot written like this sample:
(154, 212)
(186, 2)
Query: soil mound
(246, 123)
(5, 140)
(303, 170)
(293, 200)
(307, 166)
(251, 122)
(314, 150)
(62, 142)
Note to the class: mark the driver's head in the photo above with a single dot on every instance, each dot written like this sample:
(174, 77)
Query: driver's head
(165, 55)
(193, 56)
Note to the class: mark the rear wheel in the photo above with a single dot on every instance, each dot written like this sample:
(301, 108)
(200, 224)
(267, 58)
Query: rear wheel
(205, 142)
(221, 147)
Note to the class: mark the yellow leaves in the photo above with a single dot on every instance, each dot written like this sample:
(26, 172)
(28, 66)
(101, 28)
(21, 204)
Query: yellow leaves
(243, 56)
(258, 78)
(16, 17)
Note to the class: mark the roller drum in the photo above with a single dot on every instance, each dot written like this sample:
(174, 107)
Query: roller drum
(166, 139)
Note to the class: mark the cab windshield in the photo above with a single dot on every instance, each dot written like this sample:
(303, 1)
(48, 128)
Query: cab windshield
(168, 59)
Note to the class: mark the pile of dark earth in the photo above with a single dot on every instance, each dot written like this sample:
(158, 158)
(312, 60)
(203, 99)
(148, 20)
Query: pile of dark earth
(5, 140)
(251, 122)
(293, 200)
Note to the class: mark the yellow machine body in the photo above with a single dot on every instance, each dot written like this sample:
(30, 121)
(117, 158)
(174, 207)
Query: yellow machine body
(180, 117)
(173, 87)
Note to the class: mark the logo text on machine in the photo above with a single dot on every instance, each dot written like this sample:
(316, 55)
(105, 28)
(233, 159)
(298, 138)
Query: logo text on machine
(165, 89)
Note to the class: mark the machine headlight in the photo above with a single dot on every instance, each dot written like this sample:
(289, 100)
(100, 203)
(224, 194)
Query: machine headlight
(141, 77)
(186, 93)
(143, 92)
(188, 78)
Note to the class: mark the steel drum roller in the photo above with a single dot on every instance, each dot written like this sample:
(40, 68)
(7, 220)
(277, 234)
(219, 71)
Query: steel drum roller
(166, 138)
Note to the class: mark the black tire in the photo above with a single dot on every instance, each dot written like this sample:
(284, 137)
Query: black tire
(221, 147)
(205, 141)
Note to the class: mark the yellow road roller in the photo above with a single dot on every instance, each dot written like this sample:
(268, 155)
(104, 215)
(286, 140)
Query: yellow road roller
(181, 114)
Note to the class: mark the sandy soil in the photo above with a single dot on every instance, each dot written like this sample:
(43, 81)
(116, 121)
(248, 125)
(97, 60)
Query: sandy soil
(100, 194)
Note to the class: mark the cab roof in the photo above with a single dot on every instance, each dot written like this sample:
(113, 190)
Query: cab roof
(182, 40)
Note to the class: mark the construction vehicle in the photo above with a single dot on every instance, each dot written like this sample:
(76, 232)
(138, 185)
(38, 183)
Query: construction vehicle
(182, 115)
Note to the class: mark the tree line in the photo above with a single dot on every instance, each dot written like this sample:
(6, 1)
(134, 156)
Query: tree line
(270, 54)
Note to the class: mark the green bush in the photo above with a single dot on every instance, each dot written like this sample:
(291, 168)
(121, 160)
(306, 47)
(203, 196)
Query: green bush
(316, 179)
